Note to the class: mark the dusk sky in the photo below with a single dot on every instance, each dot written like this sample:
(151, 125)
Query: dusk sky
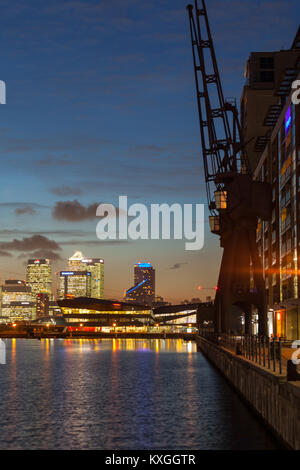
(101, 103)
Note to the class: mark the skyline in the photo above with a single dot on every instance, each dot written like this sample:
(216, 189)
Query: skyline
(99, 90)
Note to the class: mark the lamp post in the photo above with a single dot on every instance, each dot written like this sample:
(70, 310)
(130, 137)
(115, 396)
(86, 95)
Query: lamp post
(285, 321)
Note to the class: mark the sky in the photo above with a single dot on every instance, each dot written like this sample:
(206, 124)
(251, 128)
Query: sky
(101, 103)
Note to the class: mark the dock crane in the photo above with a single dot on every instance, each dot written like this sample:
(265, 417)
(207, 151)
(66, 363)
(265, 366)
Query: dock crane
(235, 200)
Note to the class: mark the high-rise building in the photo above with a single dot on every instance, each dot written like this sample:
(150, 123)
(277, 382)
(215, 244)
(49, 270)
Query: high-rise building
(39, 276)
(93, 265)
(17, 302)
(279, 238)
(75, 262)
(143, 291)
(74, 284)
(42, 305)
(96, 267)
(260, 101)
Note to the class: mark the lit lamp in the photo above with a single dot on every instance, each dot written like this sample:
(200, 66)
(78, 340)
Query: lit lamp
(221, 199)
(214, 223)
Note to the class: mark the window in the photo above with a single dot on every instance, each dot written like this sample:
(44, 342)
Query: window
(266, 62)
(267, 76)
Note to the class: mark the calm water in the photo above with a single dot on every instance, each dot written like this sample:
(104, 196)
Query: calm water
(119, 394)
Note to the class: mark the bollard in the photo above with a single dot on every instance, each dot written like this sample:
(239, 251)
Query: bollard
(292, 373)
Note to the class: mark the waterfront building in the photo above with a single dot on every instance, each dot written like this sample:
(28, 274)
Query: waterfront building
(279, 238)
(105, 315)
(143, 290)
(74, 284)
(39, 276)
(54, 309)
(93, 265)
(265, 72)
(17, 302)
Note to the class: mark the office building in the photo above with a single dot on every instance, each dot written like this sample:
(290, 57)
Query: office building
(74, 284)
(93, 265)
(265, 72)
(279, 238)
(17, 302)
(39, 276)
(143, 290)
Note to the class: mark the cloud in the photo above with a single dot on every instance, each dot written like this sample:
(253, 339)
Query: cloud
(66, 191)
(73, 211)
(4, 253)
(25, 210)
(22, 205)
(55, 161)
(177, 265)
(36, 242)
(41, 253)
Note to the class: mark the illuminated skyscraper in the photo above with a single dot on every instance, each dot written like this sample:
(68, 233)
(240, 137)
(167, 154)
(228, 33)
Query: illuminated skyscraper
(39, 276)
(74, 284)
(95, 266)
(143, 291)
(17, 302)
(75, 262)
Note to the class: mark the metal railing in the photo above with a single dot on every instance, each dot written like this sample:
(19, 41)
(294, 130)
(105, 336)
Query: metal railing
(264, 351)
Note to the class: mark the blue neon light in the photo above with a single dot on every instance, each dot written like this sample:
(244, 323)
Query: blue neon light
(144, 265)
(135, 287)
(288, 120)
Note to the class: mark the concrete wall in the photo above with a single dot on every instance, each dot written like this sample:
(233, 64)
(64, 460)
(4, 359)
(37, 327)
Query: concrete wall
(275, 400)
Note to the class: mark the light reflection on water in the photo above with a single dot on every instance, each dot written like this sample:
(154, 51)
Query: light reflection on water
(119, 394)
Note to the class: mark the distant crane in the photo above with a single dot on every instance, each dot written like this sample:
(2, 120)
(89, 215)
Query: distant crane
(235, 200)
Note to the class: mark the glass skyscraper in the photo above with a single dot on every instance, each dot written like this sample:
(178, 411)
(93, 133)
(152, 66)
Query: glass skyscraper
(74, 284)
(95, 266)
(39, 276)
(143, 291)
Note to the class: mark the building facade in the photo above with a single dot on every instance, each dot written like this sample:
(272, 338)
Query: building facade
(143, 290)
(39, 276)
(42, 305)
(93, 265)
(74, 284)
(17, 302)
(279, 164)
(264, 74)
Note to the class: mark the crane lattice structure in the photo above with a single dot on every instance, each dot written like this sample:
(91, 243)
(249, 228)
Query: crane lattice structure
(235, 200)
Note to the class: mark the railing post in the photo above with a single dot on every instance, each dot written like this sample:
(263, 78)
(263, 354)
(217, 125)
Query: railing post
(255, 345)
(274, 355)
(259, 350)
(264, 351)
(280, 358)
(269, 354)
